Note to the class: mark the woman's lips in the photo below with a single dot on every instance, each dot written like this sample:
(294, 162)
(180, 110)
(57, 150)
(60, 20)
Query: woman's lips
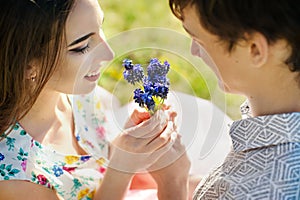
(92, 77)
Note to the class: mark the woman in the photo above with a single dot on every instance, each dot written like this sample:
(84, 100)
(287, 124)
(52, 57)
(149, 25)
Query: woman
(253, 48)
(53, 146)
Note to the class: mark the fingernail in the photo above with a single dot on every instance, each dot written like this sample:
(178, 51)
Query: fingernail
(170, 129)
(163, 121)
(174, 136)
(170, 124)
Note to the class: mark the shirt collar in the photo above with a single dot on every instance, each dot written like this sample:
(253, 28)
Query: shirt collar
(261, 131)
(245, 110)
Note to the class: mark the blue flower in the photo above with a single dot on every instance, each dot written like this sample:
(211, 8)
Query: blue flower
(154, 87)
(57, 171)
(148, 86)
(85, 158)
(144, 99)
(149, 102)
(138, 97)
(161, 90)
(2, 157)
(78, 137)
(167, 65)
(127, 64)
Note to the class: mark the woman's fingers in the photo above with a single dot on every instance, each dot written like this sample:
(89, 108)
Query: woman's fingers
(137, 117)
(141, 145)
(172, 116)
(163, 138)
(150, 128)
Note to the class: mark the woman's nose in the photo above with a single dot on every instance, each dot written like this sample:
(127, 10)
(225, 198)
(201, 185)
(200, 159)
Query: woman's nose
(107, 53)
(103, 51)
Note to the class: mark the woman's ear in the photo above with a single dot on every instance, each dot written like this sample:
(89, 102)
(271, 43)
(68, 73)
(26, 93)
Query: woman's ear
(31, 72)
(258, 49)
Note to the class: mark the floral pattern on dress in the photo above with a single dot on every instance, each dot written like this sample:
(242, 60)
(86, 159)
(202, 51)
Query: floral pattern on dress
(71, 176)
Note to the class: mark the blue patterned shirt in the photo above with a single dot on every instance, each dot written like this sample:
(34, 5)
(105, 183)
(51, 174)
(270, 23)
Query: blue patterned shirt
(263, 164)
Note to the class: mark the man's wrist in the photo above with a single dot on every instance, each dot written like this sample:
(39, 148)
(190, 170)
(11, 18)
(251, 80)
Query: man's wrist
(173, 189)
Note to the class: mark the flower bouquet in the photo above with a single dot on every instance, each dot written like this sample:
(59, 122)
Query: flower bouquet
(152, 88)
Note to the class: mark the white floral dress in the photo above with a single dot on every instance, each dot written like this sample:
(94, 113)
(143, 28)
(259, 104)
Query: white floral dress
(71, 176)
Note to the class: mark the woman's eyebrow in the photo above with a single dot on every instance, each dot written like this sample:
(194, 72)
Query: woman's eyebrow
(81, 39)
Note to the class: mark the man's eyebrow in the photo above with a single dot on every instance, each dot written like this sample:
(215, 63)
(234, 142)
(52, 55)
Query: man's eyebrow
(81, 39)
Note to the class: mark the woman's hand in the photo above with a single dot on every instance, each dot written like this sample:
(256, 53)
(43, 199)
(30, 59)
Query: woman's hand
(136, 118)
(171, 171)
(143, 142)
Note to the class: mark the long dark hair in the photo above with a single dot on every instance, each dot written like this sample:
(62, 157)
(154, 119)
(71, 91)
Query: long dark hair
(30, 30)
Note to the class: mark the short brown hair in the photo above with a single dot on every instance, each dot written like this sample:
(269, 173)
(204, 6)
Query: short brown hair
(230, 19)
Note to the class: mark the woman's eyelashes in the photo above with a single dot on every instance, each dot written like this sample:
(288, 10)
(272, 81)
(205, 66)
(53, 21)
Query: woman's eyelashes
(81, 50)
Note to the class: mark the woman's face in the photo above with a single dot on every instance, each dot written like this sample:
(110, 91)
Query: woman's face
(230, 68)
(85, 50)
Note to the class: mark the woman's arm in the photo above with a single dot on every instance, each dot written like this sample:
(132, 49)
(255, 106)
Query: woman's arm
(114, 185)
(142, 143)
(19, 189)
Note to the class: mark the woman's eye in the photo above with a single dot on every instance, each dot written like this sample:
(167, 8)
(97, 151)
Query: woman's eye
(82, 50)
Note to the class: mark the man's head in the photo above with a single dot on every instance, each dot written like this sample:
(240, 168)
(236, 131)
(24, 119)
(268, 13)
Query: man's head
(234, 20)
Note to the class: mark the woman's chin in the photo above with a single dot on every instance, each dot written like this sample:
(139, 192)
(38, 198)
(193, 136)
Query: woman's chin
(84, 89)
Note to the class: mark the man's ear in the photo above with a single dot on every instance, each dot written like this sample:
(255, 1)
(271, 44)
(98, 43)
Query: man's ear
(258, 49)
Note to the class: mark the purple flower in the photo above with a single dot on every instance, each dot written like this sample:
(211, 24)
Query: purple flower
(154, 87)
(134, 73)
(167, 65)
(157, 72)
(138, 97)
(148, 86)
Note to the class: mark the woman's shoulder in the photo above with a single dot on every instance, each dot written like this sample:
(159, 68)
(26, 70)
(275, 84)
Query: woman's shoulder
(15, 146)
(25, 190)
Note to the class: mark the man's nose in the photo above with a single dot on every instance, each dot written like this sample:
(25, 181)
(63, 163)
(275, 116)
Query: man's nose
(195, 48)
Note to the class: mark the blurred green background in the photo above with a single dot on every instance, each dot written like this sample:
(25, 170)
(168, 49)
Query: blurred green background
(121, 16)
